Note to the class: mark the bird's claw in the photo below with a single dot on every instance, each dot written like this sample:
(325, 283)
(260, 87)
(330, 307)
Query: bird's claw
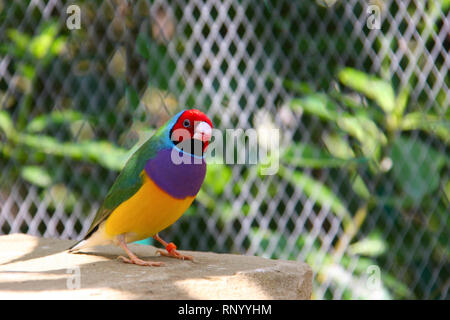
(140, 262)
(174, 254)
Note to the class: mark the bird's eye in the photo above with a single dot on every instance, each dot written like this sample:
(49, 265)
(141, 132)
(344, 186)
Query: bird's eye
(186, 123)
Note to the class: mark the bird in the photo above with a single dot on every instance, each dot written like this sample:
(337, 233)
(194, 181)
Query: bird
(156, 186)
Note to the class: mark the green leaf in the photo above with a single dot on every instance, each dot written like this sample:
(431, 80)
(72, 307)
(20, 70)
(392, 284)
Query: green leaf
(372, 87)
(447, 190)
(101, 152)
(81, 130)
(397, 286)
(6, 100)
(338, 146)
(401, 102)
(58, 45)
(362, 267)
(228, 214)
(217, 177)
(27, 70)
(306, 155)
(44, 45)
(317, 191)
(132, 98)
(20, 40)
(36, 175)
(299, 87)
(41, 44)
(366, 131)
(206, 200)
(6, 124)
(416, 167)
(355, 285)
(40, 123)
(350, 100)
(373, 246)
(360, 187)
(316, 104)
(427, 122)
(106, 154)
(142, 46)
(362, 128)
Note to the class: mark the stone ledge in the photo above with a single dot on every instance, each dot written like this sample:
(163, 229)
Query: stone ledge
(37, 268)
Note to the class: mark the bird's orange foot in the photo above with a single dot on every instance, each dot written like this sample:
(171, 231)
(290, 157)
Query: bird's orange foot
(171, 251)
(140, 262)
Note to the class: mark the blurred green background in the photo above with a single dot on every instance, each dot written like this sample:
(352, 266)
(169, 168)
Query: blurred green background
(362, 191)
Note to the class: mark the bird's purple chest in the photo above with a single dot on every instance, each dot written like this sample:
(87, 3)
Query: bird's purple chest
(180, 180)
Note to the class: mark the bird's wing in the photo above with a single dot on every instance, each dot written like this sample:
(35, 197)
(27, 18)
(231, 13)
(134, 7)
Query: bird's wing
(127, 183)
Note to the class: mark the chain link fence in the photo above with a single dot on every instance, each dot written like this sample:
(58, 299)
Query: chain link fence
(358, 90)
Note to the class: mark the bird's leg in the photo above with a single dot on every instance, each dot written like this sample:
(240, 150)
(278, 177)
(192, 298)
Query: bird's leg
(133, 258)
(171, 249)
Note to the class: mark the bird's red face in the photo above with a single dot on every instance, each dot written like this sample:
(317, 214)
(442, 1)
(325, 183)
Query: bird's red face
(192, 125)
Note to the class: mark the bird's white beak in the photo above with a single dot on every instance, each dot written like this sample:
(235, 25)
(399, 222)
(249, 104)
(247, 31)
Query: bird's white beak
(203, 131)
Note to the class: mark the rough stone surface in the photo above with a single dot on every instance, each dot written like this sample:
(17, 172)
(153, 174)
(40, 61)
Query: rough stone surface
(36, 268)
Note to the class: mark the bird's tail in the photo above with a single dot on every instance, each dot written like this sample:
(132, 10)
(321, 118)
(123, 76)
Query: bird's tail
(92, 239)
(77, 246)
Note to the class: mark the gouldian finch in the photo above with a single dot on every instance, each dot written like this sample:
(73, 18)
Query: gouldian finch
(156, 186)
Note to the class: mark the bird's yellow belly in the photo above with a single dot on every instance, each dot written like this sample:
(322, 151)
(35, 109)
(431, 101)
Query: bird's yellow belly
(146, 213)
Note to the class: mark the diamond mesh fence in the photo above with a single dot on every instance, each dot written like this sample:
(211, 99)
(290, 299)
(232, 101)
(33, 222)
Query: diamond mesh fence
(357, 89)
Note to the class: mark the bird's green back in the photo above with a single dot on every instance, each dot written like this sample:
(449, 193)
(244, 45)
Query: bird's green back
(129, 180)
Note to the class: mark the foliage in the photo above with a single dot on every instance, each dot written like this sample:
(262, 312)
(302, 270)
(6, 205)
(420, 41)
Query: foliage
(371, 138)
